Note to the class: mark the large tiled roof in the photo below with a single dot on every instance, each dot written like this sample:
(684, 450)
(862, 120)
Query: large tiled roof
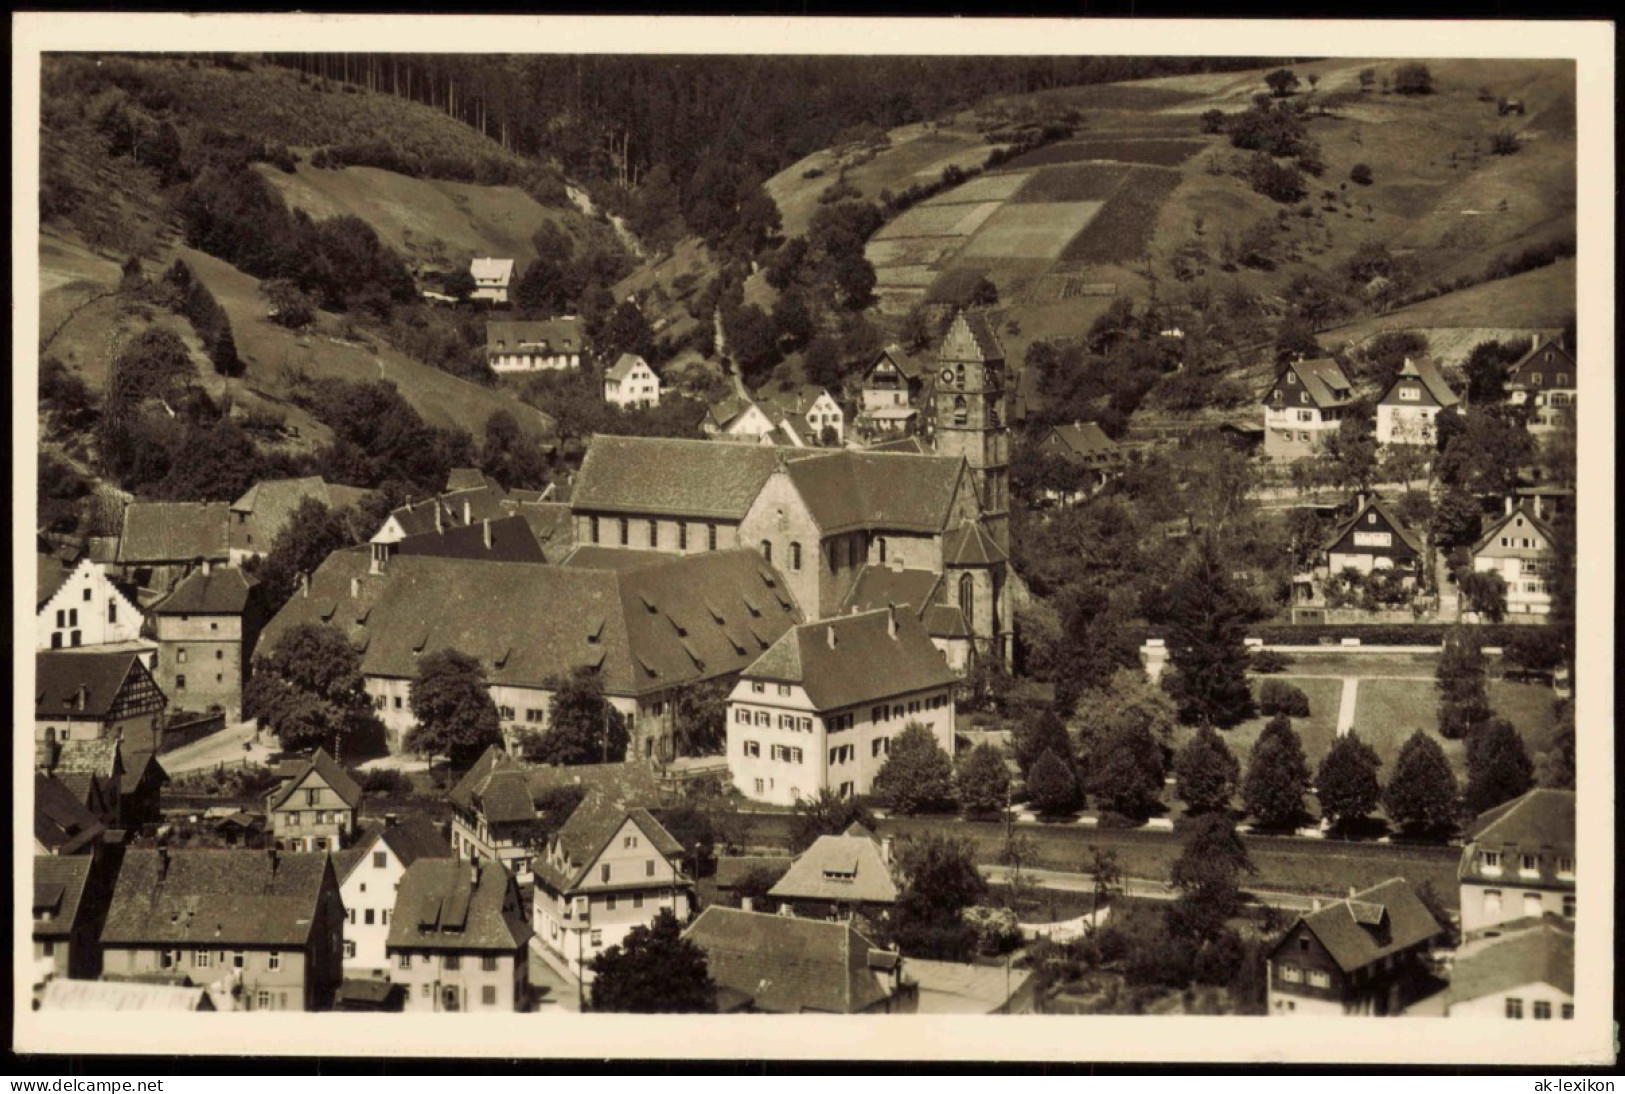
(512, 539)
(1084, 440)
(849, 869)
(1323, 380)
(327, 600)
(504, 789)
(60, 674)
(101, 757)
(222, 897)
(1373, 924)
(1523, 509)
(451, 904)
(461, 507)
(879, 585)
(583, 837)
(594, 557)
(552, 335)
(466, 478)
(1407, 535)
(59, 889)
(881, 490)
(970, 338)
(173, 531)
(970, 545)
(553, 526)
(331, 773)
(491, 269)
(1424, 371)
(788, 965)
(221, 590)
(62, 824)
(1538, 822)
(865, 663)
(699, 479)
(1541, 954)
(270, 504)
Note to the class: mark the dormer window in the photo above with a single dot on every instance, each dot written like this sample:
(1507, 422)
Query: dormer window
(1489, 862)
(1529, 865)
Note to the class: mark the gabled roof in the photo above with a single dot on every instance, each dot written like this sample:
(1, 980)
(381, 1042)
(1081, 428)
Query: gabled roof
(1425, 372)
(1407, 535)
(1545, 355)
(452, 904)
(1523, 509)
(504, 789)
(1540, 820)
(219, 590)
(1541, 954)
(60, 882)
(588, 831)
(221, 897)
(412, 837)
(461, 507)
(1373, 924)
(865, 662)
(648, 475)
(173, 531)
(970, 337)
(564, 333)
(270, 504)
(879, 585)
(623, 366)
(789, 965)
(512, 539)
(1323, 379)
(59, 676)
(491, 269)
(50, 575)
(970, 545)
(866, 489)
(1084, 441)
(553, 527)
(330, 772)
(62, 824)
(912, 367)
(847, 868)
(467, 478)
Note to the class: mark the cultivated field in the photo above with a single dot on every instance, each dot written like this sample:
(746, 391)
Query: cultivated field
(1000, 187)
(1121, 233)
(1164, 153)
(1031, 230)
(1073, 182)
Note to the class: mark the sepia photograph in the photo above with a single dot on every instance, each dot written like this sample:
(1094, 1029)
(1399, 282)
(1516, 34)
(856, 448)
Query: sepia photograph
(998, 527)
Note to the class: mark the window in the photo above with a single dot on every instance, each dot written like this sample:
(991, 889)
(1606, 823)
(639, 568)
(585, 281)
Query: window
(219, 655)
(710, 537)
(654, 533)
(597, 939)
(603, 872)
(397, 702)
(592, 525)
(1543, 1010)
(61, 618)
(625, 531)
(1489, 862)
(795, 556)
(380, 859)
(349, 949)
(1514, 1008)
(630, 841)
(454, 962)
(1568, 1012)
(880, 546)
(262, 1000)
(237, 960)
(200, 959)
(1291, 974)
(1492, 902)
(87, 594)
(273, 961)
(1568, 906)
(311, 796)
(370, 915)
(293, 820)
(180, 681)
(488, 963)
(682, 535)
(505, 713)
(1319, 978)
(488, 995)
(1528, 864)
(350, 915)
(753, 748)
(1531, 904)
(879, 746)
(758, 786)
(73, 617)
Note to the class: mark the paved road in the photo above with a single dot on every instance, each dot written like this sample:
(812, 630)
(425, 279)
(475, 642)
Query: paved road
(225, 747)
(1150, 888)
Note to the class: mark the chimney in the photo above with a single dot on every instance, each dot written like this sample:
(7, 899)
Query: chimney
(885, 850)
(487, 533)
(207, 567)
(1314, 904)
(304, 585)
(1509, 505)
(747, 904)
(1540, 507)
(830, 634)
(355, 587)
(1352, 891)
(468, 512)
(891, 620)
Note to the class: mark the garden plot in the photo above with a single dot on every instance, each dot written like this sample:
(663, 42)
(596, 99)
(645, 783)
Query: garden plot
(1073, 182)
(985, 188)
(905, 277)
(1039, 230)
(933, 220)
(908, 252)
(1122, 232)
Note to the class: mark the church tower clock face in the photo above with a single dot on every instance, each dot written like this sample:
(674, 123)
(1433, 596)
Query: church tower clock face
(947, 375)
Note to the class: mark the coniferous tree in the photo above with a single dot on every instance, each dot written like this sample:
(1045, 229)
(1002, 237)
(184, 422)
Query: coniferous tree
(1463, 696)
(1277, 776)
(1498, 766)
(1346, 782)
(1207, 658)
(982, 781)
(1207, 772)
(1053, 785)
(1422, 795)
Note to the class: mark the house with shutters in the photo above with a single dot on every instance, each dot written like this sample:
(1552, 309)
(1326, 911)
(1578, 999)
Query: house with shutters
(819, 709)
(895, 395)
(70, 900)
(776, 964)
(369, 872)
(1305, 405)
(1524, 973)
(535, 345)
(267, 507)
(840, 877)
(607, 869)
(1517, 862)
(736, 418)
(1375, 538)
(1519, 547)
(1546, 381)
(206, 628)
(630, 383)
(315, 805)
(492, 276)
(459, 939)
(90, 694)
(1361, 956)
(501, 807)
(161, 542)
(1408, 410)
(83, 606)
(264, 927)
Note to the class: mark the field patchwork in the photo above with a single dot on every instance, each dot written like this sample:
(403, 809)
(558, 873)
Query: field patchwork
(916, 251)
(1073, 182)
(1162, 153)
(1038, 230)
(1122, 231)
(999, 187)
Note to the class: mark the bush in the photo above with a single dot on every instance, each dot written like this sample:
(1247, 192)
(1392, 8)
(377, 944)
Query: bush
(386, 782)
(1413, 79)
(1268, 661)
(1360, 174)
(1276, 181)
(1276, 697)
(1504, 143)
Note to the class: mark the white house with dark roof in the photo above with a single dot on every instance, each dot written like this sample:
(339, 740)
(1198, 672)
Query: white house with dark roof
(895, 394)
(459, 939)
(369, 873)
(610, 867)
(1520, 547)
(1304, 406)
(1375, 538)
(94, 694)
(492, 276)
(1518, 862)
(1408, 411)
(1525, 973)
(819, 709)
(630, 382)
(810, 409)
(82, 606)
(535, 345)
(1546, 381)
(1360, 956)
(735, 418)
(315, 805)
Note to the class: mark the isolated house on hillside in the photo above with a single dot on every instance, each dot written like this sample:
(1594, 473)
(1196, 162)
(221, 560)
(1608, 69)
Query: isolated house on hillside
(1304, 406)
(1547, 381)
(1375, 538)
(1520, 546)
(1408, 410)
(1518, 862)
(1085, 447)
(459, 938)
(535, 345)
(1360, 956)
(630, 382)
(492, 277)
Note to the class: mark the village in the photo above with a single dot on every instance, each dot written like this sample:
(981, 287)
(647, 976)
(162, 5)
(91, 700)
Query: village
(946, 681)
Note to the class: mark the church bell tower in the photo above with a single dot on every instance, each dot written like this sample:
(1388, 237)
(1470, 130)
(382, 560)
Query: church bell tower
(970, 415)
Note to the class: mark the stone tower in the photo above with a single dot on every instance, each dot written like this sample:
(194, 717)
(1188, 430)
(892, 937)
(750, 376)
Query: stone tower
(970, 416)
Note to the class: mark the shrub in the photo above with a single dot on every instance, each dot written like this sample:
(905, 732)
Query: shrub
(1413, 79)
(1504, 143)
(1277, 697)
(1267, 661)
(1275, 181)
(387, 782)
(1360, 174)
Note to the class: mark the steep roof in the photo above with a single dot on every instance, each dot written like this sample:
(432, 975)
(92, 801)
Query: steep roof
(1539, 820)
(331, 773)
(1427, 374)
(504, 788)
(848, 868)
(59, 889)
(222, 897)
(412, 837)
(583, 837)
(1352, 930)
(865, 662)
(491, 269)
(174, 531)
(1408, 535)
(562, 333)
(467, 478)
(1546, 354)
(60, 674)
(881, 490)
(553, 527)
(1542, 954)
(970, 337)
(1323, 380)
(681, 477)
(591, 556)
(911, 366)
(62, 824)
(879, 585)
(461, 507)
(788, 965)
(270, 504)
(1523, 509)
(221, 590)
(512, 539)
(623, 366)
(451, 904)
(50, 574)
(970, 545)
(1084, 440)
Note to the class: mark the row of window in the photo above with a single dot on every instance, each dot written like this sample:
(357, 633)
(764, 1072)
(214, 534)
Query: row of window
(69, 617)
(1533, 904)
(596, 936)
(1316, 978)
(885, 712)
(320, 817)
(450, 962)
(1490, 862)
(1542, 1009)
(204, 958)
(792, 722)
(180, 655)
(624, 529)
(180, 678)
(369, 917)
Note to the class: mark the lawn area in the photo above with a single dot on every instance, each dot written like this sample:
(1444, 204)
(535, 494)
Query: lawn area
(1389, 711)
(1529, 708)
(1044, 905)
(1031, 231)
(1316, 730)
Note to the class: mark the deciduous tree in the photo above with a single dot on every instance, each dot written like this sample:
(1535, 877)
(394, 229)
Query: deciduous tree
(940, 880)
(456, 717)
(826, 814)
(1207, 875)
(654, 971)
(917, 775)
(309, 691)
(1422, 795)
(1052, 785)
(982, 781)
(1346, 782)
(583, 727)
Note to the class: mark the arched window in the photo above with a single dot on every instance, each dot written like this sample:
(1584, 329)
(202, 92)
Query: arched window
(967, 598)
(767, 551)
(795, 556)
(881, 544)
(961, 412)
